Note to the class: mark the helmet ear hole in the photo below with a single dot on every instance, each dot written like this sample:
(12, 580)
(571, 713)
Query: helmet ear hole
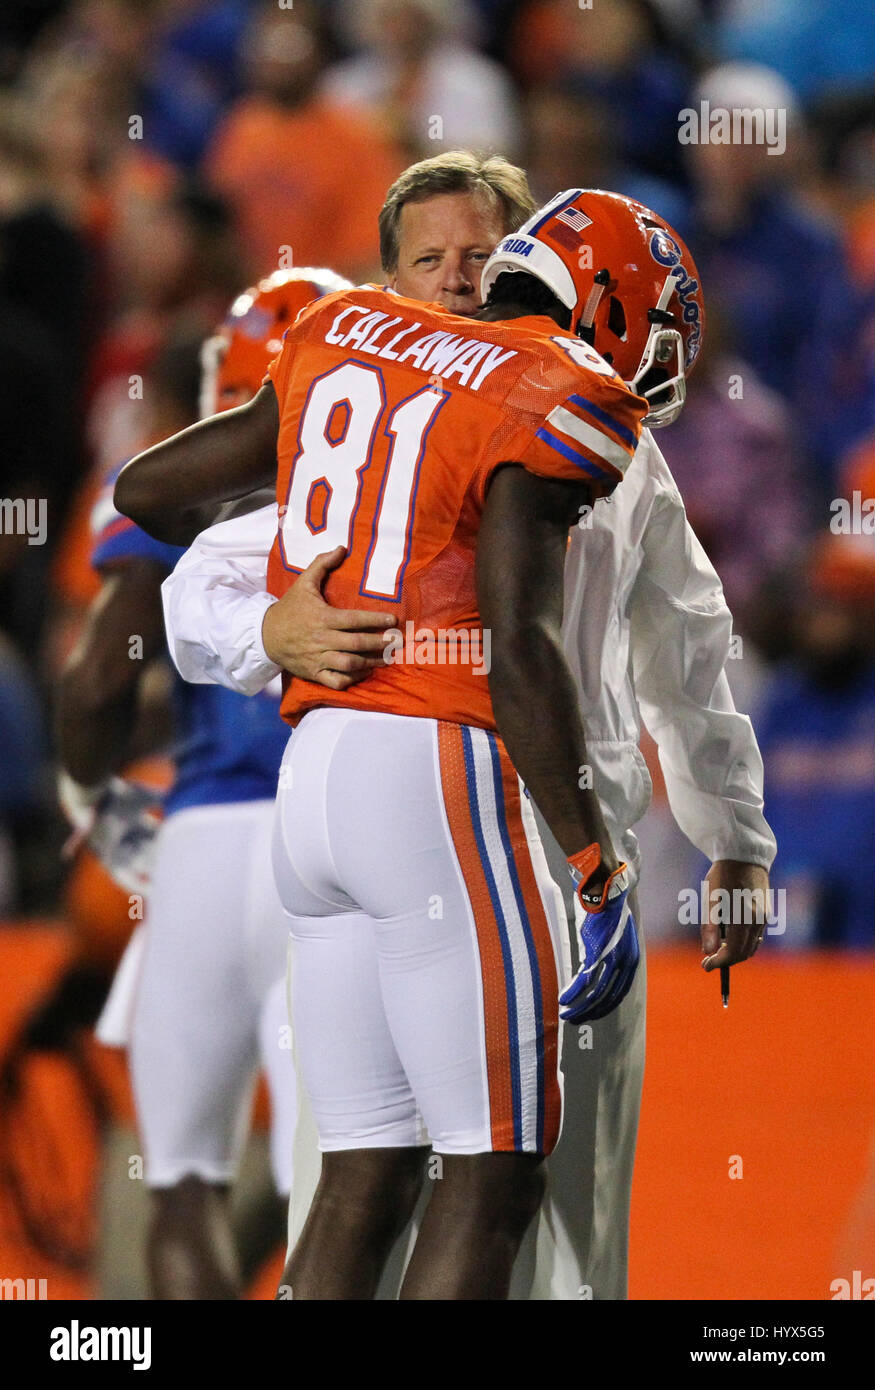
(616, 317)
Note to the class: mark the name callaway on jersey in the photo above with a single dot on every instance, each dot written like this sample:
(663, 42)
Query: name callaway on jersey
(438, 353)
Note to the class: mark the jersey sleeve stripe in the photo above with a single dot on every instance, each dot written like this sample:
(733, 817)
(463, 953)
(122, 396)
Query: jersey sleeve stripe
(592, 439)
(104, 512)
(607, 420)
(593, 469)
(114, 528)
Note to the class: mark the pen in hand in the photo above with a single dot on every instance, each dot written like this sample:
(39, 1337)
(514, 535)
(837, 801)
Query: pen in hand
(724, 975)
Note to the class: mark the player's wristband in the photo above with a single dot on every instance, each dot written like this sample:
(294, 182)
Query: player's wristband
(582, 866)
(584, 863)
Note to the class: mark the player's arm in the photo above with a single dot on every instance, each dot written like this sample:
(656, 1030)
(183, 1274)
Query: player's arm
(173, 490)
(97, 697)
(520, 565)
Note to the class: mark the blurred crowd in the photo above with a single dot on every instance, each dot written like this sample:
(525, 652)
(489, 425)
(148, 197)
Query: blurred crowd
(156, 156)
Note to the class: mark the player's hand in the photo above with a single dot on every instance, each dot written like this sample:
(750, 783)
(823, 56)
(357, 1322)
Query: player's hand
(119, 822)
(609, 952)
(307, 637)
(742, 936)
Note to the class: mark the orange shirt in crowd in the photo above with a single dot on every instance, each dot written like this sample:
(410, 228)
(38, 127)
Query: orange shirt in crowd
(312, 178)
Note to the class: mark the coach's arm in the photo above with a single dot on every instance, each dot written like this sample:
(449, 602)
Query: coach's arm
(521, 552)
(224, 628)
(680, 636)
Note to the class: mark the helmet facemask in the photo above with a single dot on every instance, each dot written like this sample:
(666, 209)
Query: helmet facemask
(664, 392)
(653, 380)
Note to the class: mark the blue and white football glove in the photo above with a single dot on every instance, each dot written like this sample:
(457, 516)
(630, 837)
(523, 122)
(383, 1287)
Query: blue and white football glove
(609, 951)
(118, 820)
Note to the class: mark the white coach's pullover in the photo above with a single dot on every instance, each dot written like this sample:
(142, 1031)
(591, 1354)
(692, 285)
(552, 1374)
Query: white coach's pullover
(646, 633)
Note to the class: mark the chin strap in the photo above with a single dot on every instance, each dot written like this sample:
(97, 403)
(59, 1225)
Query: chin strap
(600, 282)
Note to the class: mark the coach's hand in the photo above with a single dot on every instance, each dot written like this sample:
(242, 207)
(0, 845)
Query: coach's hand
(307, 637)
(748, 921)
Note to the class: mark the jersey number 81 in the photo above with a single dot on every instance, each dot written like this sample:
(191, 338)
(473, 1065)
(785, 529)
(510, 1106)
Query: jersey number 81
(345, 413)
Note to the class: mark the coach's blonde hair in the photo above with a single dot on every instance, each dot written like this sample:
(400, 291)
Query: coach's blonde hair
(456, 171)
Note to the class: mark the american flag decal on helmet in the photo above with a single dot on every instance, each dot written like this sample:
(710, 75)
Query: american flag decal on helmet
(575, 218)
(570, 233)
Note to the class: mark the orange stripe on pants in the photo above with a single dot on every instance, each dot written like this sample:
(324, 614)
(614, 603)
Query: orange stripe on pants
(543, 944)
(454, 781)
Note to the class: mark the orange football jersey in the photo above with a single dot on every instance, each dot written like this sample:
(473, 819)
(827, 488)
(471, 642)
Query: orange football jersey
(393, 417)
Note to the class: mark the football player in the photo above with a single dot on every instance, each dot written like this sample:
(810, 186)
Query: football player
(635, 569)
(427, 959)
(201, 998)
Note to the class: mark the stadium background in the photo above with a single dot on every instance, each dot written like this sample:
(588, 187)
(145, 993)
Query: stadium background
(149, 169)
